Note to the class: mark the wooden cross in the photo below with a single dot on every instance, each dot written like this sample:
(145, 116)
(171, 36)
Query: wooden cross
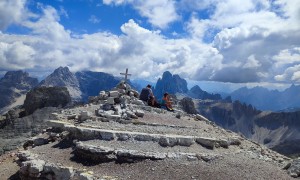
(126, 74)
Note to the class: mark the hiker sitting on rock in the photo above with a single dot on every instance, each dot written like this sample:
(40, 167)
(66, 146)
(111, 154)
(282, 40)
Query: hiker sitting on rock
(147, 96)
(167, 102)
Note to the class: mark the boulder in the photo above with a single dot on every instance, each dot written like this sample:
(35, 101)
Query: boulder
(139, 113)
(41, 97)
(113, 94)
(111, 100)
(294, 169)
(188, 105)
(84, 115)
(207, 142)
(138, 102)
(32, 168)
(59, 172)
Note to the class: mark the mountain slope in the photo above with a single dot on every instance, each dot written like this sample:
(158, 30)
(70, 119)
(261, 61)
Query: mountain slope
(269, 128)
(91, 83)
(13, 87)
(265, 99)
(63, 77)
(197, 93)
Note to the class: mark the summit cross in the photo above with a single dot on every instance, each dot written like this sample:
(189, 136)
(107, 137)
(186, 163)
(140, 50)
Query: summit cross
(126, 74)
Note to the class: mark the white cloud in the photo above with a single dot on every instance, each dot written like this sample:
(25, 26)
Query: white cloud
(252, 43)
(63, 12)
(160, 13)
(287, 56)
(11, 11)
(252, 62)
(48, 25)
(290, 74)
(93, 19)
(251, 37)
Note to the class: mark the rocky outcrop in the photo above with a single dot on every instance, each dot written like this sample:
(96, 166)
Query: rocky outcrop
(197, 93)
(17, 129)
(46, 97)
(188, 105)
(171, 84)
(13, 85)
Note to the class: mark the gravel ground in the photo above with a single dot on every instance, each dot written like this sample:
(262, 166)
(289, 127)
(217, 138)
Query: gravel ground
(237, 162)
(235, 166)
(8, 166)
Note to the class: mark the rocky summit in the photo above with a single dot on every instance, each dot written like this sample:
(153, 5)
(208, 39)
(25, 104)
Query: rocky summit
(117, 136)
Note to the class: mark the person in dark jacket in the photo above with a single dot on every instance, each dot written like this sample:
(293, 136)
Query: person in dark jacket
(146, 93)
(147, 96)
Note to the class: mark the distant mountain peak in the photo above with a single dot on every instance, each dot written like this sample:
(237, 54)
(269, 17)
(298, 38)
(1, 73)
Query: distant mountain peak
(197, 93)
(171, 84)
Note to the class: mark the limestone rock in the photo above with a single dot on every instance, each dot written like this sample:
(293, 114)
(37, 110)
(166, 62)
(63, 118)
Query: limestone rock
(46, 97)
(294, 169)
(113, 94)
(207, 142)
(188, 105)
(59, 172)
(131, 114)
(139, 113)
(32, 168)
(138, 102)
(84, 115)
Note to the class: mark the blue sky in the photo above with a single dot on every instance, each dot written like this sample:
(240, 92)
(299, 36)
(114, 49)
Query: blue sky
(228, 41)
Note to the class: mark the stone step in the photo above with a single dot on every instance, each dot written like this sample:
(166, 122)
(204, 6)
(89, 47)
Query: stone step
(131, 151)
(166, 140)
(31, 167)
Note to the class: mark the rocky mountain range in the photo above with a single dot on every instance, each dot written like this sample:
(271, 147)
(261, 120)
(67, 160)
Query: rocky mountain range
(272, 100)
(90, 83)
(82, 84)
(13, 88)
(278, 131)
(197, 93)
(174, 84)
(117, 136)
(15, 84)
(254, 124)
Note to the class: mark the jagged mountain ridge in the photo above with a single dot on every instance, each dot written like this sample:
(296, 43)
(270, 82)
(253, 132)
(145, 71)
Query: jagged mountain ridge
(63, 77)
(91, 82)
(197, 93)
(174, 84)
(13, 87)
(265, 99)
(82, 84)
(171, 84)
(270, 128)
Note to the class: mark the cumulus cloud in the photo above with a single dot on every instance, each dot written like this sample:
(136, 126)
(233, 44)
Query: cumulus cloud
(251, 37)
(253, 43)
(11, 11)
(159, 12)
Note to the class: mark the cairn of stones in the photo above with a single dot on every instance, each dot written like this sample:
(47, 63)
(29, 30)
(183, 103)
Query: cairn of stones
(116, 126)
